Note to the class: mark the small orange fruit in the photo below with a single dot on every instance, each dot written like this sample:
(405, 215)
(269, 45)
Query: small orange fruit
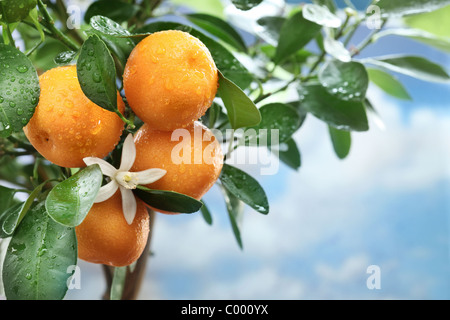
(66, 126)
(192, 157)
(105, 237)
(170, 79)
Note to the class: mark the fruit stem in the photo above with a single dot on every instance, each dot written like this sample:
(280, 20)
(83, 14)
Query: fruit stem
(130, 124)
(55, 31)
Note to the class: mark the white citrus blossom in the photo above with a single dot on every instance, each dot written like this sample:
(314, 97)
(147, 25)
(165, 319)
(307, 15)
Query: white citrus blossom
(123, 179)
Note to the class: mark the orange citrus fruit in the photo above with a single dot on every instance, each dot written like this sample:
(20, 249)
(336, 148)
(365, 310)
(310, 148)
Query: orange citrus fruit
(66, 126)
(105, 237)
(192, 157)
(170, 79)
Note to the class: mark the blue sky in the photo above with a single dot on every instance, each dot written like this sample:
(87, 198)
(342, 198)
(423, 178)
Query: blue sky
(386, 204)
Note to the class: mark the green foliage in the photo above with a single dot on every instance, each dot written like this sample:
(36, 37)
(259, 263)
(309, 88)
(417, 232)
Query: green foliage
(303, 59)
(168, 200)
(39, 245)
(19, 94)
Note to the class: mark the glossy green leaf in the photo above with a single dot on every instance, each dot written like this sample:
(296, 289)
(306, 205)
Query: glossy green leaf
(439, 42)
(435, 22)
(282, 118)
(115, 10)
(219, 28)
(295, 33)
(235, 209)
(344, 115)
(246, 4)
(388, 83)
(69, 202)
(413, 66)
(168, 200)
(345, 80)
(120, 47)
(97, 73)
(6, 196)
(15, 10)
(405, 7)
(10, 219)
(65, 57)
(19, 90)
(270, 28)
(241, 110)
(206, 214)
(225, 61)
(245, 188)
(341, 141)
(107, 26)
(38, 257)
(289, 153)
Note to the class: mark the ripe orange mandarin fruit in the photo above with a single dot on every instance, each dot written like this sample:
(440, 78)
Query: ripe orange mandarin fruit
(66, 126)
(105, 237)
(170, 79)
(192, 157)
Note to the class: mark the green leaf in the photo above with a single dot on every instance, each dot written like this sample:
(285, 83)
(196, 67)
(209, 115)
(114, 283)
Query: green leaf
(118, 283)
(219, 28)
(15, 10)
(295, 33)
(270, 29)
(282, 118)
(120, 47)
(225, 60)
(19, 90)
(345, 80)
(65, 57)
(115, 10)
(69, 202)
(439, 42)
(6, 197)
(212, 7)
(206, 214)
(321, 15)
(97, 73)
(405, 7)
(241, 110)
(341, 140)
(235, 209)
(388, 83)
(10, 219)
(413, 66)
(246, 4)
(107, 26)
(290, 154)
(170, 201)
(435, 22)
(38, 257)
(344, 115)
(245, 188)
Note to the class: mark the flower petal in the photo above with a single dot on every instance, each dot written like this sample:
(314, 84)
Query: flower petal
(107, 168)
(107, 191)
(150, 175)
(129, 204)
(128, 154)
